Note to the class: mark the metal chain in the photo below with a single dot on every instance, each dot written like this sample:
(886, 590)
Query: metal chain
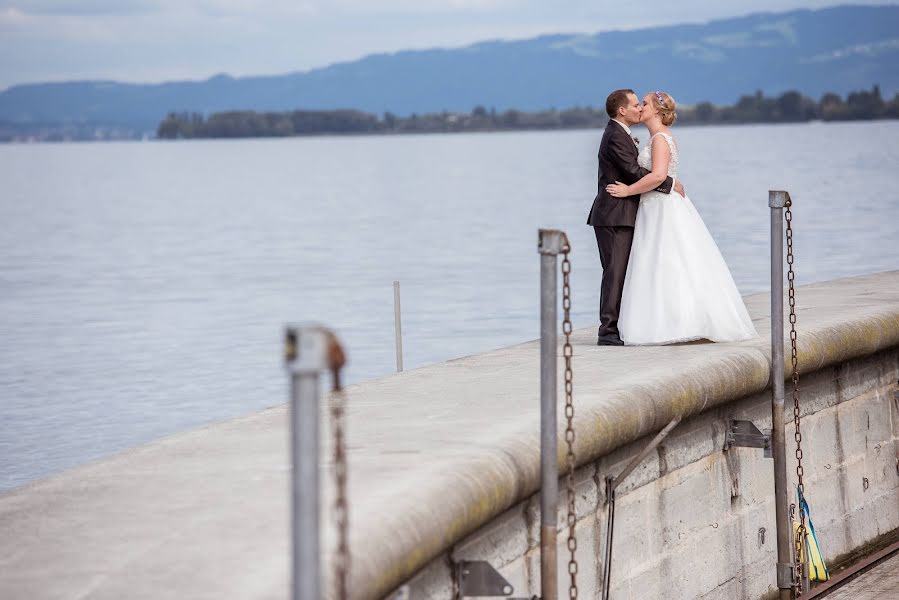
(567, 352)
(341, 506)
(794, 360)
(341, 512)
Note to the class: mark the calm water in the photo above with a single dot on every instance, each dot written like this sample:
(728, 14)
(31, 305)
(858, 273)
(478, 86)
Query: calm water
(143, 286)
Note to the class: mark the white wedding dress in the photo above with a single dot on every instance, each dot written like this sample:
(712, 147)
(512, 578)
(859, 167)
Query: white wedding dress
(678, 287)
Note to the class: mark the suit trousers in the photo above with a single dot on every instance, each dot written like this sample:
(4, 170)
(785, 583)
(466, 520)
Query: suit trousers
(614, 251)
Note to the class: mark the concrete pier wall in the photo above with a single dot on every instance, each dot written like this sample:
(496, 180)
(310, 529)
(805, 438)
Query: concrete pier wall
(694, 521)
(444, 465)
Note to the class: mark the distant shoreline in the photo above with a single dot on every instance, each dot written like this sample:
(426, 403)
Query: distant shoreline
(138, 140)
(788, 108)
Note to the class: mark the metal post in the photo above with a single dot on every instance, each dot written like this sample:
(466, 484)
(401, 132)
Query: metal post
(306, 358)
(398, 329)
(550, 244)
(612, 484)
(610, 526)
(777, 201)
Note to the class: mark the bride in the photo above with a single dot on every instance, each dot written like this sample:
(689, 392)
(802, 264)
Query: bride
(678, 287)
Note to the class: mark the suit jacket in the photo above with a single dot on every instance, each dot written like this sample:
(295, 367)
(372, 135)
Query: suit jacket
(618, 162)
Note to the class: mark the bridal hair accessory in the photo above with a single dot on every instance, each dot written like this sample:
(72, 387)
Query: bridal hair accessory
(636, 140)
(666, 108)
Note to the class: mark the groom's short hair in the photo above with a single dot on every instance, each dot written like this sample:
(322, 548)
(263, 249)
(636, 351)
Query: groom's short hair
(616, 100)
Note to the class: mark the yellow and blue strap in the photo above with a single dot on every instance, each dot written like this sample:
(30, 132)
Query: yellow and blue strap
(817, 569)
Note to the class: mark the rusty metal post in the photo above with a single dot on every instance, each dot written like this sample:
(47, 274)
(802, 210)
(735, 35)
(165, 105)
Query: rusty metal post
(776, 201)
(550, 242)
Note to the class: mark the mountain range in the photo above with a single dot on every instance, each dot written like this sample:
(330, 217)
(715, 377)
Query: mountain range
(837, 49)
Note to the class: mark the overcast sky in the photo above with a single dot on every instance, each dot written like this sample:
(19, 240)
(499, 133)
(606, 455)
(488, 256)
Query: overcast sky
(157, 40)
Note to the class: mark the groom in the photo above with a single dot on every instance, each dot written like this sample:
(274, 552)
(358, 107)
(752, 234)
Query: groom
(613, 219)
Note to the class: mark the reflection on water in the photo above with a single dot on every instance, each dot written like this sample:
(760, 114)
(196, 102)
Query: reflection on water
(143, 286)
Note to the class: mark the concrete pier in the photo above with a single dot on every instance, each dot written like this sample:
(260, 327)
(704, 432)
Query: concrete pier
(444, 464)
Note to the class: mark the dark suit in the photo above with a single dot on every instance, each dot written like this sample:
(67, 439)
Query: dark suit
(613, 219)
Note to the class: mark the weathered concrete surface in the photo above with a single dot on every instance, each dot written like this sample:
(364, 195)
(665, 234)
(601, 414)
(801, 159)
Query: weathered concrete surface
(435, 454)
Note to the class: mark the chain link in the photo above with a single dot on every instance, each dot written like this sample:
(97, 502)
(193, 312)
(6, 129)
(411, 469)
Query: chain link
(341, 506)
(341, 509)
(568, 352)
(794, 360)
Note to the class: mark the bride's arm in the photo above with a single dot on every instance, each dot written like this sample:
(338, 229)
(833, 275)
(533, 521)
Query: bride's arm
(621, 152)
(661, 156)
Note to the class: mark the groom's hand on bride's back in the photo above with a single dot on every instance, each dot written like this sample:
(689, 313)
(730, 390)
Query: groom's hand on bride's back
(679, 188)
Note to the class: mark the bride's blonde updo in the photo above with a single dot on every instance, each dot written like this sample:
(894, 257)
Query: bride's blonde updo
(666, 106)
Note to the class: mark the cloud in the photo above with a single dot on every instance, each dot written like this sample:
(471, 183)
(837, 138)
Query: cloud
(80, 7)
(873, 49)
(258, 8)
(426, 6)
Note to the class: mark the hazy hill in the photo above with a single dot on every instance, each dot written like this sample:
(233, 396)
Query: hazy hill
(836, 49)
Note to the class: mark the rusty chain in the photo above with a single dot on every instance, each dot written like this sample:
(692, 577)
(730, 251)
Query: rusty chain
(794, 361)
(337, 359)
(568, 352)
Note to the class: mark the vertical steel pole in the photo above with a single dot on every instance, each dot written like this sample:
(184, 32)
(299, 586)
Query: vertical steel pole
(549, 246)
(610, 526)
(777, 201)
(397, 326)
(305, 354)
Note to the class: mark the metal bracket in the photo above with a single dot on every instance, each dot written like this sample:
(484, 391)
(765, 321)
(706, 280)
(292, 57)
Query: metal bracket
(306, 349)
(551, 241)
(778, 198)
(611, 484)
(746, 434)
(477, 578)
(785, 576)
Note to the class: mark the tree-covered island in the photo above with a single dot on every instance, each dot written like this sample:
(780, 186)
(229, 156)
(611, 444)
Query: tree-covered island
(790, 107)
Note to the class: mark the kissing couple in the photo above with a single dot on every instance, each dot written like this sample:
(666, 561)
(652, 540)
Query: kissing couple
(663, 278)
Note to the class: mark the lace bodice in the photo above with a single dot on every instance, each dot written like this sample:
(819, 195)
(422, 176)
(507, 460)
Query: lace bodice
(645, 157)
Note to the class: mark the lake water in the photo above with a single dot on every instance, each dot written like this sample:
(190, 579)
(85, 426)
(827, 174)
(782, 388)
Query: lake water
(144, 286)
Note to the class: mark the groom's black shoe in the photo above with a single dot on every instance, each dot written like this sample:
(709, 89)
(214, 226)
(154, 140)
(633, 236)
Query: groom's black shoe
(609, 340)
